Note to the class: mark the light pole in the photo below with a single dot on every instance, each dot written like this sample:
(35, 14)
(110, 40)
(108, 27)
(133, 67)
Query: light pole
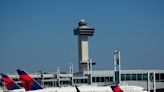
(117, 67)
(71, 72)
(42, 77)
(90, 60)
(58, 76)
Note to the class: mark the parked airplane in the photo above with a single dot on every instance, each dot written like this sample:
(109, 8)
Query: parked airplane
(32, 85)
(11, 85)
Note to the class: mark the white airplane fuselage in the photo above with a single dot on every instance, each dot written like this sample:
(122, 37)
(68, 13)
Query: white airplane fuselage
(17, 90)
(90, 89)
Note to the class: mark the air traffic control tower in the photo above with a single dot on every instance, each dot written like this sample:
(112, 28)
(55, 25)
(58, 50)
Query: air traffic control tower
(84, 32)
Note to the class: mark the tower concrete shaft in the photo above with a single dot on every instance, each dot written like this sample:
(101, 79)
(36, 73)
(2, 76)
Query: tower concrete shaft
(83, 32)
(83, 48)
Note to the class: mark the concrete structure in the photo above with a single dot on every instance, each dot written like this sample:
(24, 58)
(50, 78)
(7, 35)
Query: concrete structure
(83, 32)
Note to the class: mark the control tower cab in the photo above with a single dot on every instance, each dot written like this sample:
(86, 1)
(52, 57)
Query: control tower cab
(84, 32)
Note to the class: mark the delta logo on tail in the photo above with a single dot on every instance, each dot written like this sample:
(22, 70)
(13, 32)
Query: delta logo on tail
(116, 88)
(27, 81)
(9, 83)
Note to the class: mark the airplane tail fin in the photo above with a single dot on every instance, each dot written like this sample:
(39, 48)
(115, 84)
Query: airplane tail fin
(28, 82)
(9, 82)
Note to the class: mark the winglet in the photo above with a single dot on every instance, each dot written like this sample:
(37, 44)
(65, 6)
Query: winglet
(27, 81)
(9, 82)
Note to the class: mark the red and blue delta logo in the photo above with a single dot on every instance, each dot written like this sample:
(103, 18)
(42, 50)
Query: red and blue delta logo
(9, 83)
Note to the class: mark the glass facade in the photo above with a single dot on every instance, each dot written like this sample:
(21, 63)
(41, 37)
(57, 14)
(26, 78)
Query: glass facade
(157, 76)
(141, 77)
(80, 80)
(128, 76)
(123, 77)
(162, 77)
(145, 77)
(133, 77)
(106, 79)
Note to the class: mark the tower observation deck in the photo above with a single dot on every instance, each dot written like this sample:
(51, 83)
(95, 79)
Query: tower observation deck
(83, 32)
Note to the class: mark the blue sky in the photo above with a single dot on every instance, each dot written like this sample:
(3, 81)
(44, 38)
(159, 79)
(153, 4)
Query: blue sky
(38, 34)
